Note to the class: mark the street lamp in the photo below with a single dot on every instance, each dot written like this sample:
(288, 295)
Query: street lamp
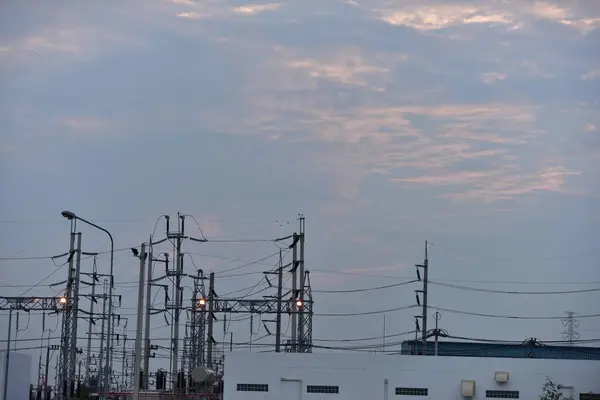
(71, 216)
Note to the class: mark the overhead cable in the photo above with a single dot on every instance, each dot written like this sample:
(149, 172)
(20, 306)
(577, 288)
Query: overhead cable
(366, 312)
(512, 291)
(508, 316)
(366, 289)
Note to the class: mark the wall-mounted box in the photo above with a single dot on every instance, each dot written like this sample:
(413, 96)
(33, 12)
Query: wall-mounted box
(467, 388)
(501, 377)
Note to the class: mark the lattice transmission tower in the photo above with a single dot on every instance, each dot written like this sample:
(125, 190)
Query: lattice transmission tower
(570, 323)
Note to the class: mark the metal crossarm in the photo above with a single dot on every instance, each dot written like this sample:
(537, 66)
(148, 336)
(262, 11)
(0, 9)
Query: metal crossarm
(32, 303)
(237, 306)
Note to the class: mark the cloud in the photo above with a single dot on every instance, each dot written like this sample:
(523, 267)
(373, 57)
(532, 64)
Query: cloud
(593, 74)
(345, 65)
(433, 16)
(549, 11)
(492, 77)
(184, 2)
(58, 40)
(85, 124)
(503, 186)
(585, 25)
(257, 8)
(500, 184)
(191, 15)
(427, 17)
(391, 112)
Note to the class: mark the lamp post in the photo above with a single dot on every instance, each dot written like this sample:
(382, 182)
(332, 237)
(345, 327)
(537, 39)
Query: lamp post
(71, 216)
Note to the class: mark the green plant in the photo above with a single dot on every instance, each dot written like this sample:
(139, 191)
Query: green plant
(551, 391)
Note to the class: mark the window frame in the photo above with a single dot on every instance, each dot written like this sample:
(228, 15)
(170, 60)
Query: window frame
(502, 394)
(411, 391)
(252, 387)
(327, 389)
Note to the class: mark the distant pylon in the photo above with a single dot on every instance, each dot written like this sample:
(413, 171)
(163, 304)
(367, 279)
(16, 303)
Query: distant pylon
(570, 323)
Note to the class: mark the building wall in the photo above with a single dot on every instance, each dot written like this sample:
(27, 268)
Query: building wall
(465, 349)
(361, 377)
(19, 375)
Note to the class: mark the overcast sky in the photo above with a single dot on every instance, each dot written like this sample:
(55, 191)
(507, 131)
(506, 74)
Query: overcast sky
(473, 125)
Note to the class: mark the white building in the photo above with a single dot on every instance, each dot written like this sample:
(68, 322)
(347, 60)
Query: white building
(288, 376)
(19, 375)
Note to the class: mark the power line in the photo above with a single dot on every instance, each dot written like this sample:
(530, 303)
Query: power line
(518, 341)
(366, 289)
(366, 312)
(507, 316)
(248, 264)
(366, 338)
(239, 240)
(520, 282)
(44, 279)
(512, 291)
(59, 255)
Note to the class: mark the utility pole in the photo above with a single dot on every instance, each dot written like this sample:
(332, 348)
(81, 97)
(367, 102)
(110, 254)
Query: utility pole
(146, 367)
(294, 306)
(209, 338)
(178, 236)
(67, 326)
(305, 312)
(46, 367)
(417, 330)
(41, 345)
(90, 325)
(383, 337)
(198, 323)
(123, 363)
(75, 305)
(138, 329)
(437, 316)
(279, 301)
(570, 335)
(300, 310)
(101, 370)
(150, 310)
(425, 267)
(7, 357)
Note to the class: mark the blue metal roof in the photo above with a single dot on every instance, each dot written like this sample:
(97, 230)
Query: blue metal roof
(502, 350)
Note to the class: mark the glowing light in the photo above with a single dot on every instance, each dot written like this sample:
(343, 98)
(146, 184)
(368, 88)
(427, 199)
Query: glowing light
(63, 300)
(202, 302)
(298, 303)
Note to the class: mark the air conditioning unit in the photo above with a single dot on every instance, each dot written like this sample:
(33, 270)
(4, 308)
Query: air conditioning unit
(501, 377)
(467, 388)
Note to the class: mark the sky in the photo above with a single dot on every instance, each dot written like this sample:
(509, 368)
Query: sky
(472, 125)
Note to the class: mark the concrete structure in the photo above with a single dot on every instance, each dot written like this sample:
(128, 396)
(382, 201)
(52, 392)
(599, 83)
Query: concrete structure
(19, 375)
(253, 376)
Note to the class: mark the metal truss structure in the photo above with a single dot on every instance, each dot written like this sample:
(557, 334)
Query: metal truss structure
(55, 304)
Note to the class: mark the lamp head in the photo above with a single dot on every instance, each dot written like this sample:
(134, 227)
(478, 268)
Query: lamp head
(68, 215)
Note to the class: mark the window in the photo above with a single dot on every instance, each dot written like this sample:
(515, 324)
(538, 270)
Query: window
(404, 391)
(322, 389)
(589, 396)
(252, 387)
(502, 394)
